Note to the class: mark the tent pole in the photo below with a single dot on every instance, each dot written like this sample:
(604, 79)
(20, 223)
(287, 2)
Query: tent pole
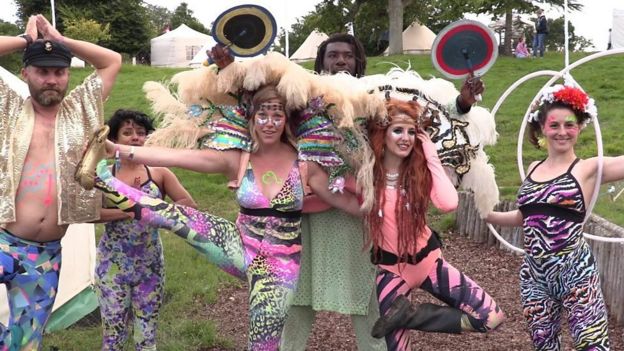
(286, 30)
(53, 13)
(565, 34)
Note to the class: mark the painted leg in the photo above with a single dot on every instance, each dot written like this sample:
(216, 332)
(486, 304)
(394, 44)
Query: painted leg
(391, 287)
(542, 312)
(147, 299)
(451, 286)
(114, 300)
(587, 313)
(216, 238)
(34, 270)
(273, 252)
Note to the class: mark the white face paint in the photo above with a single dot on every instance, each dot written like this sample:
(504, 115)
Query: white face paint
(270, 121)
(272, 112)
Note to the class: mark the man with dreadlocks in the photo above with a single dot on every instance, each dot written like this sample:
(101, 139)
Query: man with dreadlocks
(335, 273)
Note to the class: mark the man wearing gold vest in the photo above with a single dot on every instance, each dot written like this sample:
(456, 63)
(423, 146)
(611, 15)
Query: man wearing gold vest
(41, 142)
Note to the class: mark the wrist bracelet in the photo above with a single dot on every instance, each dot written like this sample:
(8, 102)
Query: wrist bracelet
(117, 158)
(131, 153)
(27, 37)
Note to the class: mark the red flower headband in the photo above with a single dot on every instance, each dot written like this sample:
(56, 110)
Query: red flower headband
(569, 95)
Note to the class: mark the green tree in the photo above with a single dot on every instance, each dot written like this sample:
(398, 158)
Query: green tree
(555, 41)
(183, 15)
(11, 62)
(129, 29)
(370, 20)
(158, 18)
(87, 30)
(507, 8)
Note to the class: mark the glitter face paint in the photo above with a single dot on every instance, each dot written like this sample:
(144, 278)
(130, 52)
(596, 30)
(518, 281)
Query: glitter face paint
(271, 112)
(560, 129)
(555, 122)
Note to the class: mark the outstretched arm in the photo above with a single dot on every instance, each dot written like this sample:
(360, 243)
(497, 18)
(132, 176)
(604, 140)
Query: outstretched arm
(613, 169)
(106, 62)
(205, 160)
(319, 182)
(505, 219)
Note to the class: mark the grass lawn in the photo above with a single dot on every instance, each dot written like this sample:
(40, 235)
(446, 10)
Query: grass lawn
(191, 282)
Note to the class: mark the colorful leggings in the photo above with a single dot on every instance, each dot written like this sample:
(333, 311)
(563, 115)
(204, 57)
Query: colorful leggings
(30, 271)
(269, 262)
(569, 283)
(130, 281)
(447, 284)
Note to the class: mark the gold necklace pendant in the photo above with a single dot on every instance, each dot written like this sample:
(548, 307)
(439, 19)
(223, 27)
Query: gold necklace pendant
(269, 177)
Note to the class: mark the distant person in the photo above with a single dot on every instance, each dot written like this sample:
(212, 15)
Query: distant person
(521, 49)
(541, 30)
(609, 46)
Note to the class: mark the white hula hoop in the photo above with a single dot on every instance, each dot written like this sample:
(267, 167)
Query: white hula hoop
(556, 75)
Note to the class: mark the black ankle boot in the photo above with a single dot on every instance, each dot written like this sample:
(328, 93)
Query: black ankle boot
(398, 313)
(434, 318)
(424, 317)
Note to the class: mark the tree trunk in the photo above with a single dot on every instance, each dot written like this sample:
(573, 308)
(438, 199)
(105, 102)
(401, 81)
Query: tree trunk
(508, 31)
(395, 28)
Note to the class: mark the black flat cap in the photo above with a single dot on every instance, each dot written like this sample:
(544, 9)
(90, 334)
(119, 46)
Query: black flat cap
(47, 53)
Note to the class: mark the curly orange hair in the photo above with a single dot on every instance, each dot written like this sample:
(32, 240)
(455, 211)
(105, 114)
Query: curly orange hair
(414, 184)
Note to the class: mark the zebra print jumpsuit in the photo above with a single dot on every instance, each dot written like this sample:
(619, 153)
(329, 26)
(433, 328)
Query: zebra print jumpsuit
(559, 271)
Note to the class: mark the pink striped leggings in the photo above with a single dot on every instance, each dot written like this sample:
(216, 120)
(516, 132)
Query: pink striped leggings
(447, 284)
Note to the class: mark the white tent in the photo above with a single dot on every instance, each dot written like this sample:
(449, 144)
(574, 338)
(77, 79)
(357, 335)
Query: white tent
(178, 47)
(202, 54)
(617, 30)
(417, 39)
(75, 298)
(309, 47)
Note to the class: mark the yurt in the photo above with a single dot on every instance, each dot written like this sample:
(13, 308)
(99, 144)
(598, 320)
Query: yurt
(417, 39)
(307, 50)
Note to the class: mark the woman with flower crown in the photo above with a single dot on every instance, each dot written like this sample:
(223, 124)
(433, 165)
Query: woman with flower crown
(559, 272)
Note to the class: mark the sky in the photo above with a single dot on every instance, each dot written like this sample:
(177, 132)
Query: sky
(593, 22)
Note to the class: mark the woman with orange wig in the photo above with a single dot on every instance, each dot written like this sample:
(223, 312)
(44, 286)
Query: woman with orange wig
(408, 174)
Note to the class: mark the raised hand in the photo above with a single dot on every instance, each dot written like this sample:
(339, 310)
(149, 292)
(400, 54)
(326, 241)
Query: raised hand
(47, 30)
(220, 55)
(428, 146)
(31, 27)
(472, 87)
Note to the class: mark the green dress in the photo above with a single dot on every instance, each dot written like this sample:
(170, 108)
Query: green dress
(336, 273)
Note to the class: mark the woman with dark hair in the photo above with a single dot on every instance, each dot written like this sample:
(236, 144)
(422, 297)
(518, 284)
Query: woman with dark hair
(130, 268)
(253, 147)
(408, 174)
(559, 272)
